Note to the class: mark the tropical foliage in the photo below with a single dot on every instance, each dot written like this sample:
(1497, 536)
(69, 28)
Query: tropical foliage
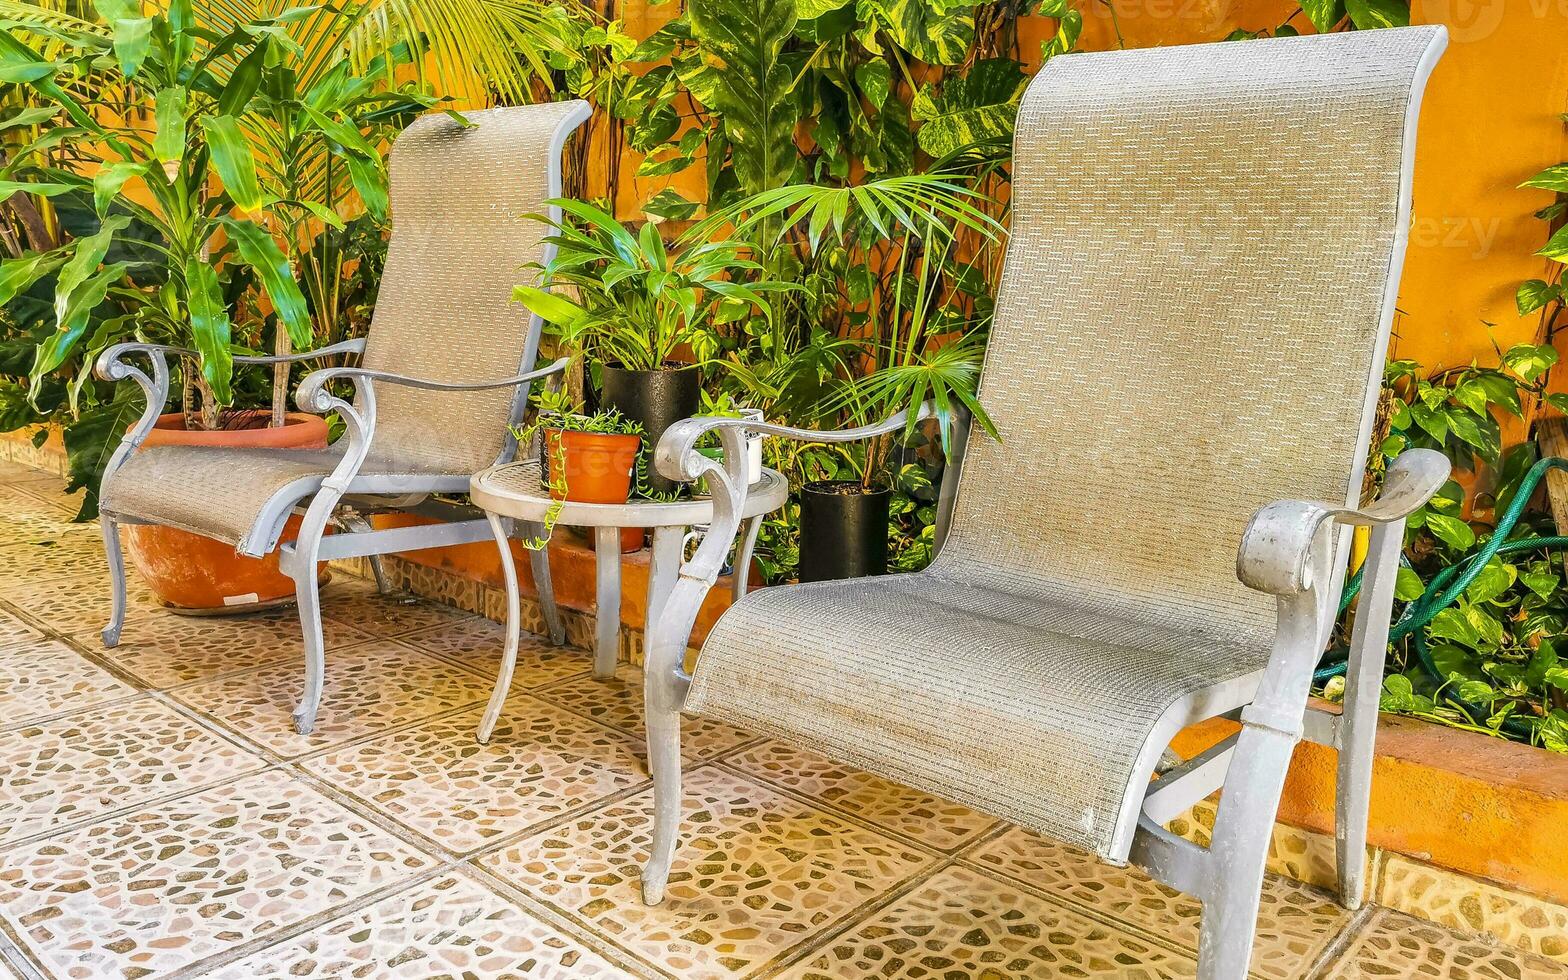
(1487, 661)
(639, 301)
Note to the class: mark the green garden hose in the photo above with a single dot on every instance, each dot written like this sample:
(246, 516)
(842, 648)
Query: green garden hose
(1448, 585)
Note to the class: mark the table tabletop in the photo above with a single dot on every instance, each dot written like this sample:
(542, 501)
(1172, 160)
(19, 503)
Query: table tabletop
(515, 490)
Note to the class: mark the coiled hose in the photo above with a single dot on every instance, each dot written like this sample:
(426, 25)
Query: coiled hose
(1446, 587)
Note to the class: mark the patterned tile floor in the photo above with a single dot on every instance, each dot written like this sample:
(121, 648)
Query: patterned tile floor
(161, 818)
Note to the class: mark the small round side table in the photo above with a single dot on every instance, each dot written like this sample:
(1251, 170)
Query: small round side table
(513, 492)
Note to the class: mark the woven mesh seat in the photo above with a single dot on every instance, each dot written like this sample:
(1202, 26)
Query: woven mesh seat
(222, 493)
(1189, 322)
(1018, 697)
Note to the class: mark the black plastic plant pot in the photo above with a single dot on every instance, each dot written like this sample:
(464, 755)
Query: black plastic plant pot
(843, 530)
(657, 399)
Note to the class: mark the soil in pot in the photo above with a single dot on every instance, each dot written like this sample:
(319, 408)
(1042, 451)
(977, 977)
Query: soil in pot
(197, 575)
(597, 465)
(657, 399)
(843, 530)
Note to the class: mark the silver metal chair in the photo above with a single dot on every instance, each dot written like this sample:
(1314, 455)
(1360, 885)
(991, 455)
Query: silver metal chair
(1185, 359)
(444, 373)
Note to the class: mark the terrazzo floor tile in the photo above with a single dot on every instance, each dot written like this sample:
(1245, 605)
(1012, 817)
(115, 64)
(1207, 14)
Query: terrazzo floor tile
(106, 758)
(617, 702)
(757, 872)
(962, 923)
(369, 688)
(1394, 945)
(163, 649)
(153, 890)
(448, 927)
(78, 604)
(932, 821)
(1295, 923)
(439, 782)
(40, 677)
(76, 553)
(27, 517)
(355, 602)
(478, 643)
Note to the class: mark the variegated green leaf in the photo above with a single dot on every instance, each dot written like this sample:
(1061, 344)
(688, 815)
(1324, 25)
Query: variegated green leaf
(741, 40)
(938, 36)
(977, 107)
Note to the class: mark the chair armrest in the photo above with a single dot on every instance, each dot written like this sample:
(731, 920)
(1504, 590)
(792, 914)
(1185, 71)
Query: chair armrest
(677, 459)
(311, 389)
(354, 346)
(112, 366)
(1276, 553)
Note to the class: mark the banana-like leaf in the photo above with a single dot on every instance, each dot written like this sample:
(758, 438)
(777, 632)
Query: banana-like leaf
(371, 183)
(977, 107)
(746, 38)
(549, 306)
(168, 146)
(108, 181)
(28, 117)
(113, 10)
(132, 41)
(73, 311)
(231, 158)
(89, 252)
(345, 134)
(18, 274)
(210, 327)
(244, 81)
(938, 34)
(257, 250)
(9, 187)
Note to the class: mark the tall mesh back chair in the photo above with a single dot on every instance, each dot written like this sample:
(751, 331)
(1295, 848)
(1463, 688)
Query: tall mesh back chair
(444, 373)
(1184, 368)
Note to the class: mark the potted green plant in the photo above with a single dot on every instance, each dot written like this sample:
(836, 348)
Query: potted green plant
(899, 258)
(211, 154)
(647, 312)
(589, 458)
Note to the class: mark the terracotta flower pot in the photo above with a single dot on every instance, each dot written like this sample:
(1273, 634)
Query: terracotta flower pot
(198, 575)
(598, 466)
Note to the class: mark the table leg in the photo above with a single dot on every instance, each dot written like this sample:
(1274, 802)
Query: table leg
(742, 569)
(503, 679)
(663, 572)
(539, 561)
(607, 560)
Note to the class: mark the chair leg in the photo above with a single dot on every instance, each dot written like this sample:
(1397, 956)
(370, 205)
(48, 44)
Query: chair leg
(503, 680)
(662, 697)
(539, 562)
(1239, 850)
(111, 548)
(358, 525)
(300, 564)
(1358, 722)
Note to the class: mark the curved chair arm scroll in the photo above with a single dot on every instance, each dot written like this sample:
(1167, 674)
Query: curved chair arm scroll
(677, 458)
(112, 366)
(1276, 553)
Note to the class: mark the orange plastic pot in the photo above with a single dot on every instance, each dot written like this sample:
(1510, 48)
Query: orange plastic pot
(597, 465)
(198, 575)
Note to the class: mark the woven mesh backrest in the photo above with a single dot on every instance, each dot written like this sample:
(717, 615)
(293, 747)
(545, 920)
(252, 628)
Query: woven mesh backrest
(1193, 303)
(445, 310)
